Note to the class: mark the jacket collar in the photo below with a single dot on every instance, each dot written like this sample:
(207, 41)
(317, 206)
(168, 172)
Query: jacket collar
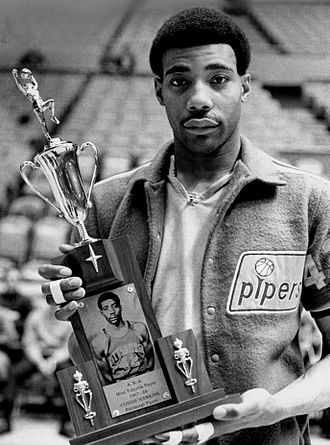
(260, 165)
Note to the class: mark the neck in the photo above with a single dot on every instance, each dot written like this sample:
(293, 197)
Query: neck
(116, 327)
(197, 171)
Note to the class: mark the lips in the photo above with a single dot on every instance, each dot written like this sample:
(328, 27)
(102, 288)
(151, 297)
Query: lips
(201, 123)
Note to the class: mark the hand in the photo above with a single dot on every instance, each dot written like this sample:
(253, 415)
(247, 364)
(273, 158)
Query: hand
(258, 408)
(69, 285)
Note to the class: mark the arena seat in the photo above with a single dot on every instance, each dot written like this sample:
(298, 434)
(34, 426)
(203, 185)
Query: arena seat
(316, 97)
(15, 237)
(120, 115)
(69, 37)
(301, 28)
(30, 206)
(48, 234)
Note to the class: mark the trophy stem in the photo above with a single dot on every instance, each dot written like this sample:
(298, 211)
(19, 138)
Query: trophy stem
(85, 238)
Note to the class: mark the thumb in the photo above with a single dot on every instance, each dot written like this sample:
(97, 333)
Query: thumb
(253, 400)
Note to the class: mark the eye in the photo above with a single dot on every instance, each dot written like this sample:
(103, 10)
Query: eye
(219, 79)
(177, 81)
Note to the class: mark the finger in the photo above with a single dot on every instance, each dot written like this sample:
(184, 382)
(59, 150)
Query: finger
(204, 432)
(252, 402)
(50, 272)
(174, 437)
(66, 248)
(151, 440)
(56, 292)
(65, 312)
(190, 435)
(70, 287)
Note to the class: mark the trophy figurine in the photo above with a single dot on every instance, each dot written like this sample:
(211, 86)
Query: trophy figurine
(139, 382)
(84, 396)
(58, 161)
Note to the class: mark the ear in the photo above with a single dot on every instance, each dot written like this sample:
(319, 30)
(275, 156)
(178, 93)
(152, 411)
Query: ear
(246, 86)
(158, 84)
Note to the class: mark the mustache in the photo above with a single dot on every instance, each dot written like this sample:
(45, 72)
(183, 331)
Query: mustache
(200, 114)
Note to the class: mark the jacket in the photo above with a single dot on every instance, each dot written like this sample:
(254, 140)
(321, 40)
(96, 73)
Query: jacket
(265, 258)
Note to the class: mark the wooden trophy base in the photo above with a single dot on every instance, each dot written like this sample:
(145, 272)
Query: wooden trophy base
(170, 389)
(155, 422)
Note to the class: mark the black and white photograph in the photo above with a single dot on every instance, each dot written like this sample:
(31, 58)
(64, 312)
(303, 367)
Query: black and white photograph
(118, 334)
(172, 155)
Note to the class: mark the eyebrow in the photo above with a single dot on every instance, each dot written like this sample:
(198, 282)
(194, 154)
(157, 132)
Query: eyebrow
(210, 67)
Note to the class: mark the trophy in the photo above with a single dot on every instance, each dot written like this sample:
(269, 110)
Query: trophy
(58, 161)
(131, 383)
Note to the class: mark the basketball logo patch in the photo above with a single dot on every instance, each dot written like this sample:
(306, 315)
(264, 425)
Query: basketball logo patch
(264, 267)
(267, 282)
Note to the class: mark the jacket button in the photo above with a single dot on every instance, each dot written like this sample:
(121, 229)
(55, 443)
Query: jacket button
(215, 358)
(210, 261)
(211, 310)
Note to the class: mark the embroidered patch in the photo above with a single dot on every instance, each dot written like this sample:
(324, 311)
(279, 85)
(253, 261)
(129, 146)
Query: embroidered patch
(267, 282)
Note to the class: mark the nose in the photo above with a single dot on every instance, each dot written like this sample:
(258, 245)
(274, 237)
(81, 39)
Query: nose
(199, 98)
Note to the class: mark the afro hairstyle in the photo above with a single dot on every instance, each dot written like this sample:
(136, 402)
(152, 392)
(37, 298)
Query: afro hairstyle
(195, 27)
(108, 296)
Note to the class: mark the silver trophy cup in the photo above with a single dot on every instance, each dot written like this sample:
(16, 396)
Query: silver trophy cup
(58, 162)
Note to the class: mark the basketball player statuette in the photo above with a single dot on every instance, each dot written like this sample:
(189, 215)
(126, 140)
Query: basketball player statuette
(84, 396)
(184, 363)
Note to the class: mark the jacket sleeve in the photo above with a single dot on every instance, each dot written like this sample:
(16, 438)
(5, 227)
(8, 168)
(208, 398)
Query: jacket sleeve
(316, 280)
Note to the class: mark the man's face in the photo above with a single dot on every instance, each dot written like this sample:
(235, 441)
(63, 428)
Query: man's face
(111, 311)
(202, 93)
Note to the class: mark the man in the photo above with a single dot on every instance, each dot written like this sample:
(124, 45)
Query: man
(124, 348)
(45, 350)
(20, 306)
(222, 233)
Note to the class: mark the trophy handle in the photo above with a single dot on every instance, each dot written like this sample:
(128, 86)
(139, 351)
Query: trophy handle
(32, 187)
(80, 151)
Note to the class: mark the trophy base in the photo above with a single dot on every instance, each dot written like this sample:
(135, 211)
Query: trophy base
(162, 397)
(155, 422)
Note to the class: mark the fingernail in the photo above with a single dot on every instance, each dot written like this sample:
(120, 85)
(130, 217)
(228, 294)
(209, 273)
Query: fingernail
(75, 282)
(65, 272)
(72, 305)
(219, 413)
(79, 293)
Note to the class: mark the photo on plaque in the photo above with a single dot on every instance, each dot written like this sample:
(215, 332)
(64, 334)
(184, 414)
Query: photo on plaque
(117, 331)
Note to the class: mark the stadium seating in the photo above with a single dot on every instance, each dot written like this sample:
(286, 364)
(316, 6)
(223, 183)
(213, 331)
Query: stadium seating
(15, 238)
(316, 96)
(28, 205)
(48, 234)
(120, 113)
(300, 27)
(70, 37)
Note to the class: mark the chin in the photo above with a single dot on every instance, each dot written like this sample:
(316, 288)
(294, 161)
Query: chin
(202, 146)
